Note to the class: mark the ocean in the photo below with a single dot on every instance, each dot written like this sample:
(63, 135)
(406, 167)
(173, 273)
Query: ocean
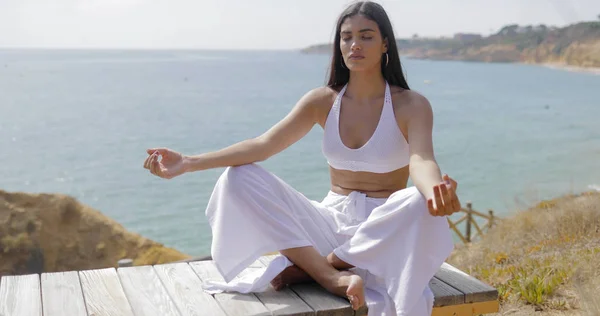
(78, 122)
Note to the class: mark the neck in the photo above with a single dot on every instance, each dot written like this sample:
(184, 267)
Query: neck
(366, 85)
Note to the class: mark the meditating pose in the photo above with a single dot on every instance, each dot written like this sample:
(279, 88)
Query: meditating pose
(371, 239)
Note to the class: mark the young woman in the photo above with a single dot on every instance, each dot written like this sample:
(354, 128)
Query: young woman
(370, 231)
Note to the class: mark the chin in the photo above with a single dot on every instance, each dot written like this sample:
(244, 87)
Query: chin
(360, 67)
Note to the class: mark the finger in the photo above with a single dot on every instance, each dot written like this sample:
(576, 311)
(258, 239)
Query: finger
(150, 163)
(439, 205)
(154, 164)
(447, 180)
(159, 169)
(455, 203)
(451, 181)
(430, 207)
(447, 199)
(161, 151)
(147, 161)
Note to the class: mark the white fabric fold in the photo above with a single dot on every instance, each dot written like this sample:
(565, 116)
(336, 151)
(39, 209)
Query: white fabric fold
(252, 282)
(395, 245)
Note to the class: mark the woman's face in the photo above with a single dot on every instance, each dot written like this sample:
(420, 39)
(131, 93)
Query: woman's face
(361, 43)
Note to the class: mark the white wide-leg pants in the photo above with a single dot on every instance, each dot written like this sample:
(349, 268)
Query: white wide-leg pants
(394, 243)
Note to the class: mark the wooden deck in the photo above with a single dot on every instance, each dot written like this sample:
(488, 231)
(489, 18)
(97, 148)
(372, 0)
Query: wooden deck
(175, 289)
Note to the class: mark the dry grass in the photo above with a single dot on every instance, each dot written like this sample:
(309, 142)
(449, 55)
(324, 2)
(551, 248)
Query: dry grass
(545, 258)
(55, 232)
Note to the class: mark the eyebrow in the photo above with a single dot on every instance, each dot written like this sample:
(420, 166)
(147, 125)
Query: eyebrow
(361, 31)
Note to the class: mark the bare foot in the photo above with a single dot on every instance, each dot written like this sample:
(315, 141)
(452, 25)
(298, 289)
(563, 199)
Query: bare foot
(291, 275)
(350, 285)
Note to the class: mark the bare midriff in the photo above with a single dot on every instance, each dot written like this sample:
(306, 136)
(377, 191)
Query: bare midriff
(376, 185)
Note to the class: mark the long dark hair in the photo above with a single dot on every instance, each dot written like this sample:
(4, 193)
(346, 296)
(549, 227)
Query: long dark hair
(339, 74)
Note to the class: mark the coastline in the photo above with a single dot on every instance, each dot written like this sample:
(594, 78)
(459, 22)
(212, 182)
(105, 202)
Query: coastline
(557, 66)
(571, 68)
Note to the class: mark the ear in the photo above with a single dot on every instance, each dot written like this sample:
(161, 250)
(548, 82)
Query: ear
(384, 45)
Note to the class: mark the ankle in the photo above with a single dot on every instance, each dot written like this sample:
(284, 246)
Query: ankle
(333, 282)
(337, 263)
(329, 259)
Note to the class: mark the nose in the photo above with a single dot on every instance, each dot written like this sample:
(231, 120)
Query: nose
(355, 46)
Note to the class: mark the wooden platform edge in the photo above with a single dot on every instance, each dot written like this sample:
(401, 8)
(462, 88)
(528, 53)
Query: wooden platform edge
(475, 290)
(467, 309)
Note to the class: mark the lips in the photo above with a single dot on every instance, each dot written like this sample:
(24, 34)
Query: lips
(356, 57)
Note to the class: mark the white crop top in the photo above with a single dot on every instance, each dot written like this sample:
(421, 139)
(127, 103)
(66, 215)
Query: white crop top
(387, 150)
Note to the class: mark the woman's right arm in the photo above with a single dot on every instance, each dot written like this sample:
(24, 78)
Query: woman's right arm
(295, 125)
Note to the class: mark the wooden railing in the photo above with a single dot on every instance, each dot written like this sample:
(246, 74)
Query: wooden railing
(470, 218)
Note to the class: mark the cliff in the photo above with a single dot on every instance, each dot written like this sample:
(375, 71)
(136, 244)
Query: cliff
(543, 260)
(53, 232)
(574, 45)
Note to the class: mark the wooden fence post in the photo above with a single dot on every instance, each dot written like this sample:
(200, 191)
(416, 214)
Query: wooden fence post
(469, 219)
(491, 223)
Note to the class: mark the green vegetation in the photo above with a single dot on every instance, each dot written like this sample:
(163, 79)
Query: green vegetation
(546, 258)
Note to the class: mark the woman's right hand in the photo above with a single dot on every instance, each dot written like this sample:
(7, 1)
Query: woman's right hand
(170, 166)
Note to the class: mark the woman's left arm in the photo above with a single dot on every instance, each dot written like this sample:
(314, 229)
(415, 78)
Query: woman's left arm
(440, 191)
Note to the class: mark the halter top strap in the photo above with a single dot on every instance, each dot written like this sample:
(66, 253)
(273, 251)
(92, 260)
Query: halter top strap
(385, 151)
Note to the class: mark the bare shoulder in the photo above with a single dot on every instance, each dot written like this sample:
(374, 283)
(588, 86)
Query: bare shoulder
(317, 96)
(319, 100)
(410, 103)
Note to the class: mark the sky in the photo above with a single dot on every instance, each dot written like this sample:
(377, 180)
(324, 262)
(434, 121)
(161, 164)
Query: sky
(255, 24)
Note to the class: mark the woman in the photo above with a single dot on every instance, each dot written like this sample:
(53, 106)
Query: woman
(370, 231)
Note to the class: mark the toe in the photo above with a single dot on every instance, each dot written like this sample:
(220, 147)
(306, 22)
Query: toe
(353, 302)
(275, 283)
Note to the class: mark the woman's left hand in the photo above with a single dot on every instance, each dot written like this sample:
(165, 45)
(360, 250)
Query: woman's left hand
(444, 201)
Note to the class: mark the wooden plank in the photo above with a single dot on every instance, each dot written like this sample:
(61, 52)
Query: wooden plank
(285, 301)
(444, 294)
(232, 303)
(103, 293)
(474, 290)
(467, 309)
(454, 310)
(322, 301)
(145, 292)
(20, 295)
(316, 297)
(62, 294)
(484, 307)
(185, 288)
